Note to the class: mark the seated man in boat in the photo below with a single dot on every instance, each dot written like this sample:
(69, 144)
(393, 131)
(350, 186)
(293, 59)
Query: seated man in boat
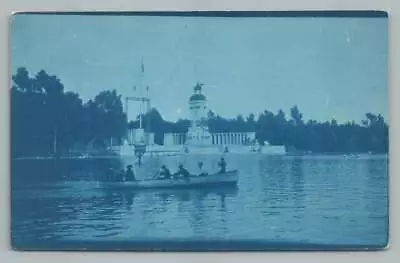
(222, 165)
(119, 177)
(164, 173)
(129, 175)
(182, 172)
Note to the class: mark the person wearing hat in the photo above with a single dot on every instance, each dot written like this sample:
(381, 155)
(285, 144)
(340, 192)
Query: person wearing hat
(119, 177)
(222, 165)
(129, 175)
(182, 172)
(164, 172)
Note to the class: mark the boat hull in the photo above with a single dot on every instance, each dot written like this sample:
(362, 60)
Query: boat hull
(229, 178)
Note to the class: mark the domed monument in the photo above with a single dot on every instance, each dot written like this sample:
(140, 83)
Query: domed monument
(198, 133)
(199, 139)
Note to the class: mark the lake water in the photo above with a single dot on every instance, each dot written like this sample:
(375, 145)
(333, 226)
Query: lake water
(327, 200)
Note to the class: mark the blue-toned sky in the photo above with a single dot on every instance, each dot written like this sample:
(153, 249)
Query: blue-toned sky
(329, 67)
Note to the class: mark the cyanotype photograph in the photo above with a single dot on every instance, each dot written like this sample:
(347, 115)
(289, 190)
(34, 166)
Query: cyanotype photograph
(199, 131)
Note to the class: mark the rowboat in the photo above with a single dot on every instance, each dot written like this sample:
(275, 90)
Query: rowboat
(210, 180)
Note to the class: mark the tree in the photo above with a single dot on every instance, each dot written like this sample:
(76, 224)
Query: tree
(111, 119)
(251, 124)
(297, 117)
(239, 124)
(210, 115)
(45, 118)
(152, 121)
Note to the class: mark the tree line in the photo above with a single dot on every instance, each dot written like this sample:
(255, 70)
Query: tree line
(45, 118)
(292, 131)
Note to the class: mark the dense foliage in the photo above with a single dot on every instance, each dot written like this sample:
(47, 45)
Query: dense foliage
(293, 132)
(45, 117)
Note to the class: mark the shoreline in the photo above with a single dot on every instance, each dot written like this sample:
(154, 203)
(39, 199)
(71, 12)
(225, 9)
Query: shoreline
(287, 155)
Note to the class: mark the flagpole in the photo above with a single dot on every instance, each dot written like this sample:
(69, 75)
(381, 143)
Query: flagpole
(141, 91)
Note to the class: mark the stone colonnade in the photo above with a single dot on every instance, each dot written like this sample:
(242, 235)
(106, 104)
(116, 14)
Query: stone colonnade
(178, 138)
(232, 138)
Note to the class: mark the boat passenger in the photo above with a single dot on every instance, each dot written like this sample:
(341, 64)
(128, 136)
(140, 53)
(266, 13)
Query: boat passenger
(164, 173)
(182, 172)
(129, 175)
(120, 176)
(222, 165)
(201, 171)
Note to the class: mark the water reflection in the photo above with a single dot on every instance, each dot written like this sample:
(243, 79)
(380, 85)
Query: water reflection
(297, 181)
(51, 170)
(222, 202)
(376, 180)
(33, 221)
(118, 199)
(289, 197)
